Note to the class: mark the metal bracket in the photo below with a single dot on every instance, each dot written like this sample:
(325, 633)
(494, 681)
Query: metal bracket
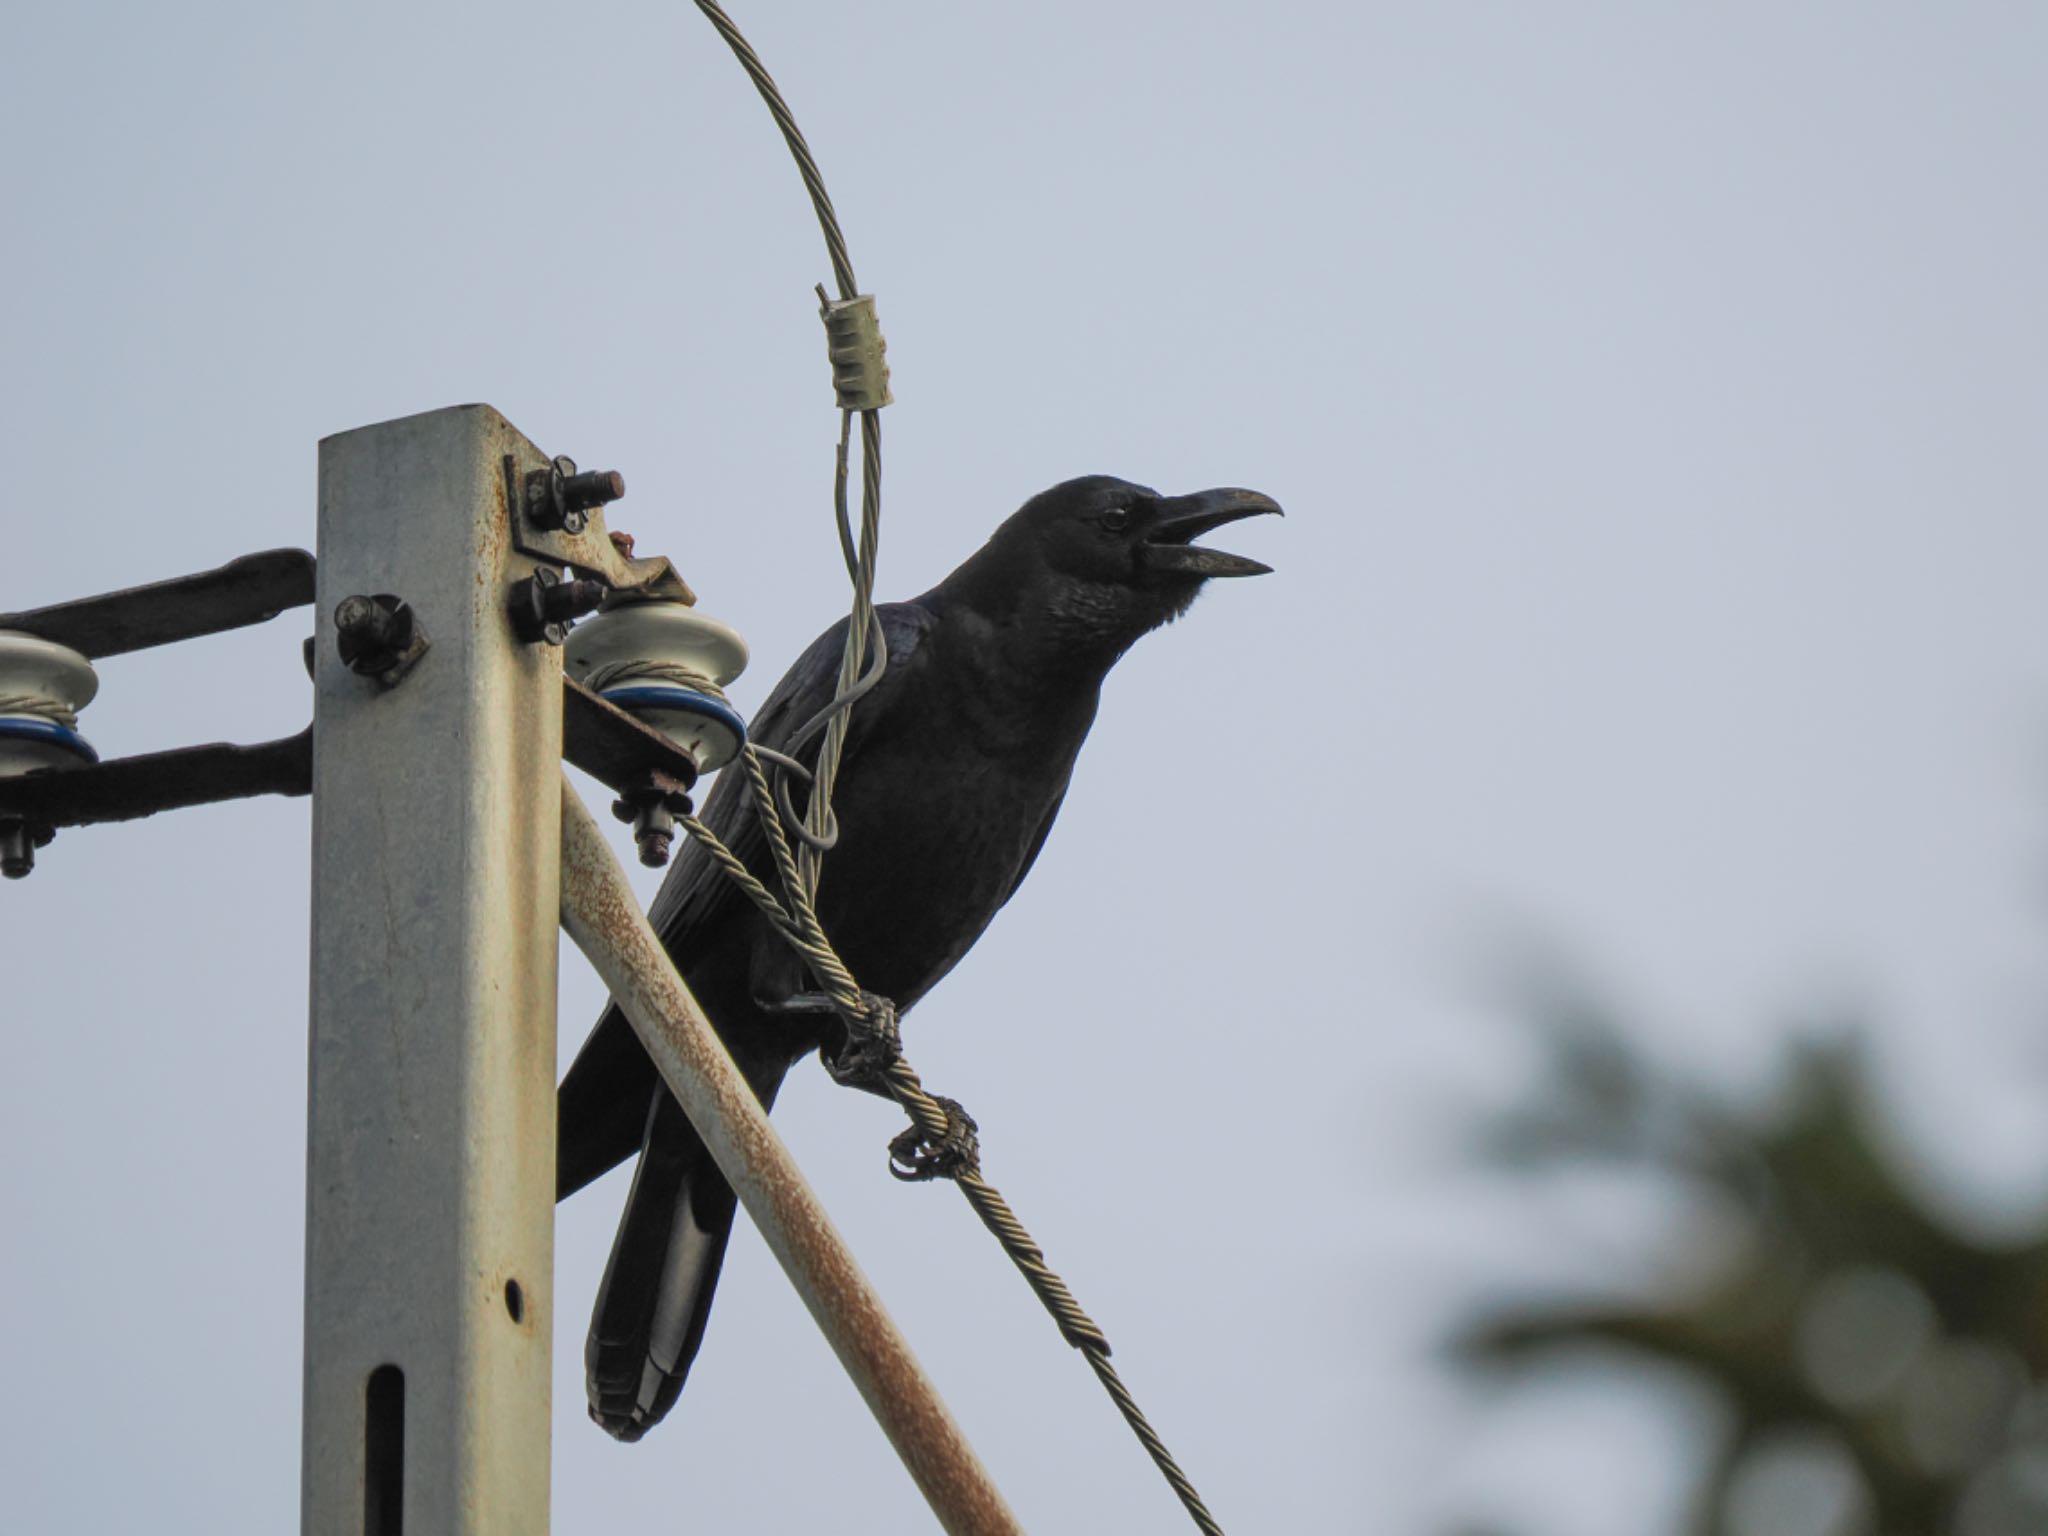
(242, 592)
(590, 549)
(600, 738)
(125, 788)
(245, 591)
(617, 750)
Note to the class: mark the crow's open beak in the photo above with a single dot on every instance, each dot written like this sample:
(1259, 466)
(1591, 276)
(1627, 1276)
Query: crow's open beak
(1167, 546)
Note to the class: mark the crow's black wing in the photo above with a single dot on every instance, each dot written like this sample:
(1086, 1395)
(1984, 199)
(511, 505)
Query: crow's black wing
(603, 1103)
(697, 891)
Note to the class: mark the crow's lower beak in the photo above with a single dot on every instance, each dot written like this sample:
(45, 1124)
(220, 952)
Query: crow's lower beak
(1166, 545)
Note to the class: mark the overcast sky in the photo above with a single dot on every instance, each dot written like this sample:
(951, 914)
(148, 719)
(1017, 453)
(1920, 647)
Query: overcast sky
(1656, 395)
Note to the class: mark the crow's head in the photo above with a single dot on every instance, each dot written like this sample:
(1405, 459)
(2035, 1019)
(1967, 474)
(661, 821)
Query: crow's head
(1099, 561)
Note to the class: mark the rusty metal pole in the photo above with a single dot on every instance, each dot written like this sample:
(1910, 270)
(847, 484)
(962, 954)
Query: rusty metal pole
(431, 1124)
(603, 916)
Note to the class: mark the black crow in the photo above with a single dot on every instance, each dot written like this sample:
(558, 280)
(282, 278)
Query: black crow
(954, 767)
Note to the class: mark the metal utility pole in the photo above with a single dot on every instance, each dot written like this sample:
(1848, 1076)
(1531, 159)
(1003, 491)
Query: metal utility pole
(436, 872)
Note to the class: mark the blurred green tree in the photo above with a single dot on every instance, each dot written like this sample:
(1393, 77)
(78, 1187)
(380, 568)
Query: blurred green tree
(1884, 1374)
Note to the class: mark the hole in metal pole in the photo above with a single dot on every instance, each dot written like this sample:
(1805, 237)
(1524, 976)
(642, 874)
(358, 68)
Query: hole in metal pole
(384, 1453)
(515, 1301)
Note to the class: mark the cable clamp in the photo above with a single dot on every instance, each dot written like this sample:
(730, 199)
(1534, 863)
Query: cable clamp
(853, 342)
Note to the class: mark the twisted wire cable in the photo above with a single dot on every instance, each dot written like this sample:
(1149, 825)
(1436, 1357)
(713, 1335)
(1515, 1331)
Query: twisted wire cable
(806, 163)
(818, 812)
(936, 1126)
(41, 708)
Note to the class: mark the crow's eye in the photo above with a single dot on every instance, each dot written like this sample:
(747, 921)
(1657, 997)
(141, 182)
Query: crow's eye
(1116, 519)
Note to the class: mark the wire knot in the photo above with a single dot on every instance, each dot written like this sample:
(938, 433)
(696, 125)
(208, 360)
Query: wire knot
(917, 1155)
(873, 1044)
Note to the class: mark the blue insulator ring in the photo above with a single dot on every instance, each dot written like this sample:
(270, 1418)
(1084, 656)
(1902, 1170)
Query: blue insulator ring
(637, 698)
(716, 743)
(48, 732)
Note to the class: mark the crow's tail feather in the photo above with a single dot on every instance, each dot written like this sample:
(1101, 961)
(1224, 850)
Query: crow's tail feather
(657, 1289)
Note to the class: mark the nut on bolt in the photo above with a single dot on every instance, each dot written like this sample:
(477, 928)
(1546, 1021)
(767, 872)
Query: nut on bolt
(544, 605)
(561, 497)
(19, 840)
(652, 806)
(378, 636)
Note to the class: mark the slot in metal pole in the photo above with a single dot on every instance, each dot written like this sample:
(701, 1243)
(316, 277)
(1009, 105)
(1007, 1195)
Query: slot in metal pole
(431, 1119)
(603, 916)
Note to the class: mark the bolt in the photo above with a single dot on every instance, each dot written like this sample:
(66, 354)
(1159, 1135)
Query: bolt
(17, 852)
(566, 601)
(652, 806)
(19, 840)
(561, 497)
(363, 625)
(653, 832)
(544, 605)
(592, 488)
(377, 636)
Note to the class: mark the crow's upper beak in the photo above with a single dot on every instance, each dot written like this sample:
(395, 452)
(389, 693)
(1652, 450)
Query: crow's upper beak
(1166, 545)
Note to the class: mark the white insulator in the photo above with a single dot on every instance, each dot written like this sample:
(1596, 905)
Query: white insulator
(663, 662)
(43, 686)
